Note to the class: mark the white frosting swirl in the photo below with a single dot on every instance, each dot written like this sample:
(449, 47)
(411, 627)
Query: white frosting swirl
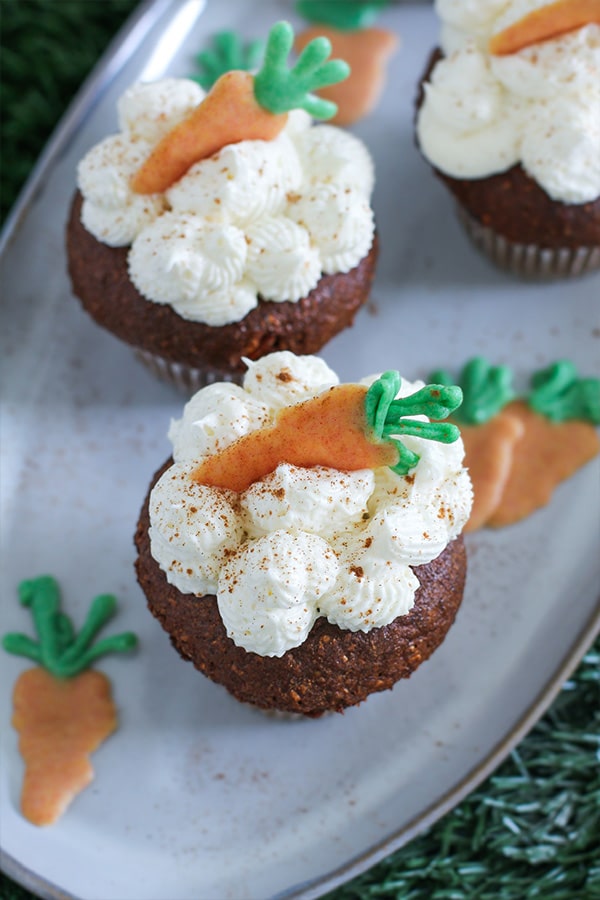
(331, 156)
(482, 113)
(561, 149)
(370, 592)
(300, 543)
(241, 183)
(149, 110)
(193, 530)
(213, 419)
(467, 21)
(281, 261)
(565, 69)
(479, 134)
(268, 592)
(283, 378)
(187, 243)
(340, 222)
(320, 500)
(111, 211)
(197, 268)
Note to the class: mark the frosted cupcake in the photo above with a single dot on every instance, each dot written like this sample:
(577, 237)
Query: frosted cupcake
(302, 547)
(508, 118)
(222, 226)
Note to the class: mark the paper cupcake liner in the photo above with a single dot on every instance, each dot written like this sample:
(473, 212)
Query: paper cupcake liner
(283, 715)
(529, 260)
(185, 378)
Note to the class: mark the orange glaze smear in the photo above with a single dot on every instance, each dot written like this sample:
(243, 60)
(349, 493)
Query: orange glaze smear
(327, 430)
(544, 24)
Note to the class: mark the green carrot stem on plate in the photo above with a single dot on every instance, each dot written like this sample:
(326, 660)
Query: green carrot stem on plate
(346, 15)
(227, 53)
(558, 393)
(59, 649)
(486, 390)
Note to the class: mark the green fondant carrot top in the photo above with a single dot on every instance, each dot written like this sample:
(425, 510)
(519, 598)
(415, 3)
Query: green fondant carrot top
(486, 390)
(228, 52)
(559, 394)
(347, 15)
(279, 89)
(386, 416)
(59, 649)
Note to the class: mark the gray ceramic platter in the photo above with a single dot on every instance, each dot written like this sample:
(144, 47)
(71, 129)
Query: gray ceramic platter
(196, 796)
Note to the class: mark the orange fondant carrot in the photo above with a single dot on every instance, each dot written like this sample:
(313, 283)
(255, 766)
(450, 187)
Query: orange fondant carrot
(517, 452)
(545, 23)
(60, 722)
(547, 453)
(323, 431)
(61, 711)
(243, 107)
(489, 452)
(347, 427)
(489, 436)
(228, 114)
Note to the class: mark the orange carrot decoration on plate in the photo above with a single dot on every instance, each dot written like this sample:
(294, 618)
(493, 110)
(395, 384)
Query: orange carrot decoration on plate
(348, 427)
(489, 434)
(559, 418)
(61, 711)
(241, 107)
(366, 49)
(518, 450)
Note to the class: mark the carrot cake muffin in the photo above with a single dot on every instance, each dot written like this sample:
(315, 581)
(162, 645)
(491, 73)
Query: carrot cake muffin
(302, 547)
(508, 119)
(221, 226)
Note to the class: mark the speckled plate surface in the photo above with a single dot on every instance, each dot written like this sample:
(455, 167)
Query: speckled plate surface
(196, 796)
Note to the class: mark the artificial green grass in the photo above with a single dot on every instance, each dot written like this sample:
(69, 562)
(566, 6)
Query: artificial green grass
(532, 830)
(47, 47)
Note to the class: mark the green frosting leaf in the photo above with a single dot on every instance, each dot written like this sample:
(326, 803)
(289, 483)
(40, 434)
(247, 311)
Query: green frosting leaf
(59, 649)
(279, 89)
(228, 53)
(347, 15)
(386, 415)
(560, 395)
(486, 390)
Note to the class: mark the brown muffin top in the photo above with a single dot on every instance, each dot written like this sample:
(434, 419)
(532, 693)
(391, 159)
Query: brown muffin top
(100, 279)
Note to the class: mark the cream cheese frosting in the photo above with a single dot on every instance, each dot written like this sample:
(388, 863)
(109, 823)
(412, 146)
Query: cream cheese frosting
(258, 219)
(301, 542)
(538, 107)
(110, 210)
